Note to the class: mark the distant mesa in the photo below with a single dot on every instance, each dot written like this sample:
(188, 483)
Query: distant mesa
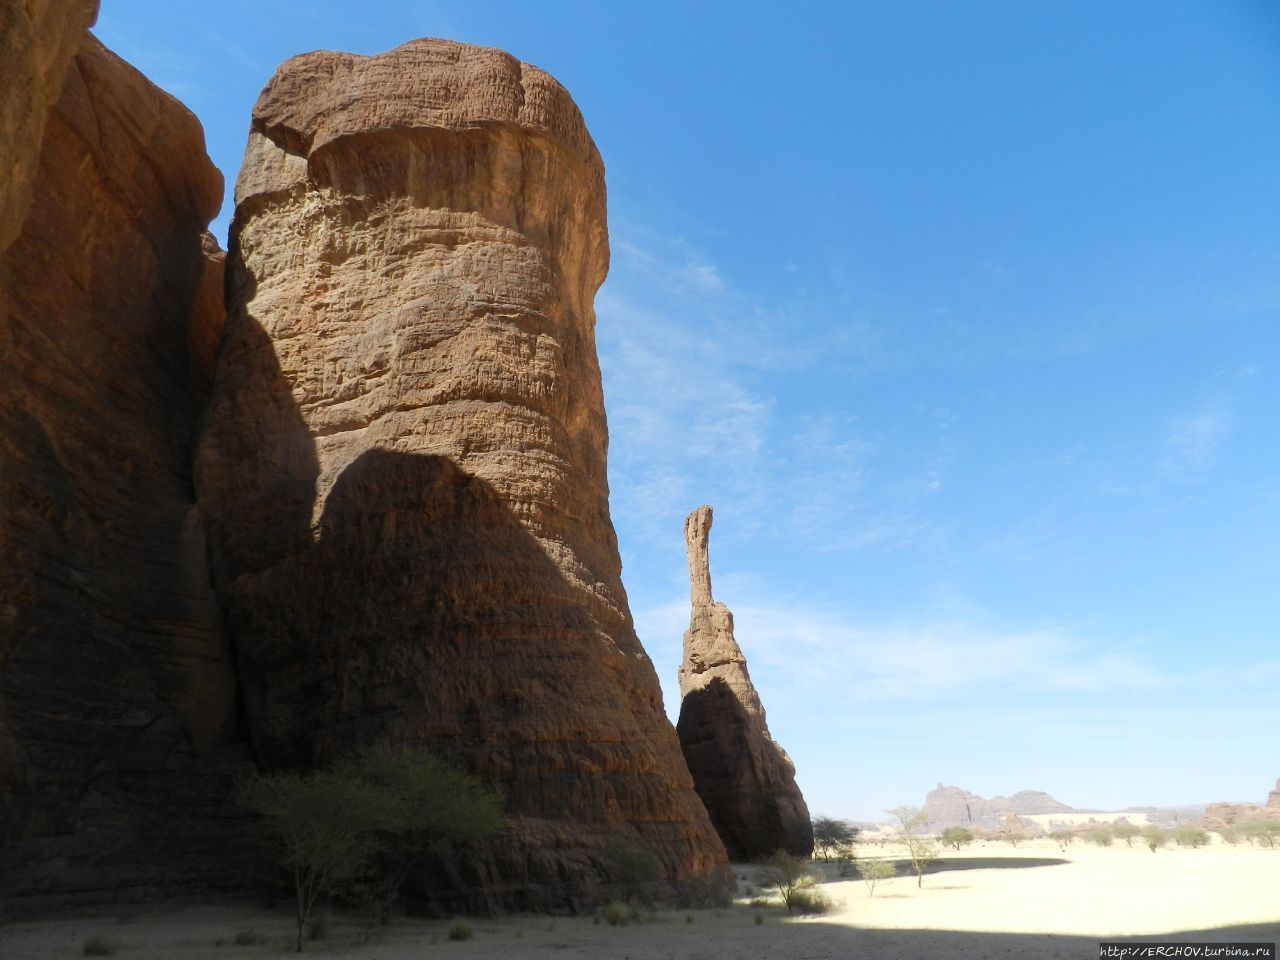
(955, 807)
(746, 780)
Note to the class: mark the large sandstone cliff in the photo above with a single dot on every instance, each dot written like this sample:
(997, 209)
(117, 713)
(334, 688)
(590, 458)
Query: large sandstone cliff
(746, 779)
(403, 471)
(116, 689)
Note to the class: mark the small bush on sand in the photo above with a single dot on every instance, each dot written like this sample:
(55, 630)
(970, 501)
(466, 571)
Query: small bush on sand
(633, 867)
(759, 919)
(1190, 837)
(617, 914)
(100, 947)
(873, 871)
(461, 931)
(249, 938)
(1155, 837)
(789, 874)
(809, 900)
(1126, 831)
(1100, 836)
(1063, 838)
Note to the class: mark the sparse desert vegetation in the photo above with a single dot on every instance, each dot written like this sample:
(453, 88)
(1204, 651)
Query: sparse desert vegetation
(989, 900)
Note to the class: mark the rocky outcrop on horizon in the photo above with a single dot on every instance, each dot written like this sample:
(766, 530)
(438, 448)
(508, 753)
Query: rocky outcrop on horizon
(744, 777)
(403, 468)
(1273, 798)
(117, 694)
(955, 807)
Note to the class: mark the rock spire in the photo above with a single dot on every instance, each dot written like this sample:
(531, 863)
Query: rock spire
(746, 780)
(403, 469)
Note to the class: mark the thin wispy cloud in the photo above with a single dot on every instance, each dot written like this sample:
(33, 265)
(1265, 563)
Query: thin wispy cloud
(1192, 442)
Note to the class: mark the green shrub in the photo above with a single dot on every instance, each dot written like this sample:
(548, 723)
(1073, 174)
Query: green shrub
(789, 874)
(809, 900)
(873, 871)
(1190, 837)
(633, 866)
(461, 930)
(1064, 838)
(98, 946)
(759, 918)
(363, 824)
(1156, 837)
(249, 938)
(1126, 831)
(956, 837)
(616, 914)
(1102, 836)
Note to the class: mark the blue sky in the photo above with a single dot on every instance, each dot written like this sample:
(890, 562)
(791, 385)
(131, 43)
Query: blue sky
(965, 316)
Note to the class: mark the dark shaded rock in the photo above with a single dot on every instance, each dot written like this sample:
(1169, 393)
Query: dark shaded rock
(117, 694)
(746, 780)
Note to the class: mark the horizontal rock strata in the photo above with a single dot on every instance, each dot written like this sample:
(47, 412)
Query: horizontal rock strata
(746, 780)
(404, 465)
(116, 688)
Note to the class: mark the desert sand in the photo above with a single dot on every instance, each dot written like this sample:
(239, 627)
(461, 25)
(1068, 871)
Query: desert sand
(991, 900)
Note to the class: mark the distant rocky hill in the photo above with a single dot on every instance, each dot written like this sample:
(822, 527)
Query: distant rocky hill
(955, 807)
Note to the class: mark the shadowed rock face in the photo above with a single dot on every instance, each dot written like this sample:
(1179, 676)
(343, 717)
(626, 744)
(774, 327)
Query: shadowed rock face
(746, 780)
(403, 470)
(116, 688)
(1273, 798)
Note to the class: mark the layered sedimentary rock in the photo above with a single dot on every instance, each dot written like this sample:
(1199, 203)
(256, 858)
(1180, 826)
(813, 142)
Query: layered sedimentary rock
(38, 39)
(956, 807)
(403, 470)
(746, 780)
(116, 690)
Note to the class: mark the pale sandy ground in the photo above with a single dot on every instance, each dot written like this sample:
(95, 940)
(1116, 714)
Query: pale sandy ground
(992, 901)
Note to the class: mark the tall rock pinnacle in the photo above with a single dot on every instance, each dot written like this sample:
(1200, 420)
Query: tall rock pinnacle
(403, 469)
(746, 780)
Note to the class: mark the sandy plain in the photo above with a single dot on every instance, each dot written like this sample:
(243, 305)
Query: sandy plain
(989, 901)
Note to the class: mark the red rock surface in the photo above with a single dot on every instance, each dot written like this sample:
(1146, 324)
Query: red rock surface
(746, 780)
(116, 688)
(404, 467)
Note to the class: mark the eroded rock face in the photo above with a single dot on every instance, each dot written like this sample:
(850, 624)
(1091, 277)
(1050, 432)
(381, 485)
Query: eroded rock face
(746, 780)
(403, 470)
(116, 688)
(38, 39)
(1273, 798)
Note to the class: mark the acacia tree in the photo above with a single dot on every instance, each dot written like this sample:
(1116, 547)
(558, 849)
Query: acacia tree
(921, 848)
(1155, 836)
(790, 874)
(830, 835)
(322, 829)
(1126, 831)
(435, 807)
(957, 837)
(362, 825)
(873, 871)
